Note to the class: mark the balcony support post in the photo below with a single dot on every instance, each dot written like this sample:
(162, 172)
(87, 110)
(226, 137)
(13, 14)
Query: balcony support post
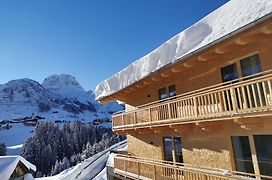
(134, 118)
(169, 111)
(154, 171)
(254, 156)
(138, 169)
(123, 119)
(149, 113)
(195, 107)
(233, 100)
(125, 166)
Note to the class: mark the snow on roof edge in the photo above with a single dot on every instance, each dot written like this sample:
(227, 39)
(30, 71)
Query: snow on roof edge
(229, 19)
(10, 163)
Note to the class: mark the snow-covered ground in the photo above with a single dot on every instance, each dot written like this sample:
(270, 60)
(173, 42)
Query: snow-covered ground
(230, 17)
(14, 150)
(91, 168)
(102, 175)
(15, 137)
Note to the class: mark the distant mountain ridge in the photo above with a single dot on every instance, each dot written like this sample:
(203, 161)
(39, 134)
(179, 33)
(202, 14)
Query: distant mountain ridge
(58, 97)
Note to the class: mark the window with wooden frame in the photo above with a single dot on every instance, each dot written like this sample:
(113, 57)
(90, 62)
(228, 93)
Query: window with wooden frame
(253, 154)
(166, 92)
(242, 68)
(163, 93)
(245, 68)
(172, 149)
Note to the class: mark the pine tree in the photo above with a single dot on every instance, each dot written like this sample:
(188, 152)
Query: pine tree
(2, 149)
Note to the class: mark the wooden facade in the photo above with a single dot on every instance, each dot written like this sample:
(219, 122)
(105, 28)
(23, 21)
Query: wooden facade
(221, 120)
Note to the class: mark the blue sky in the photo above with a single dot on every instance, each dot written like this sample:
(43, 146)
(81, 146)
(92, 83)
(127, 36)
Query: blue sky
(89, 39)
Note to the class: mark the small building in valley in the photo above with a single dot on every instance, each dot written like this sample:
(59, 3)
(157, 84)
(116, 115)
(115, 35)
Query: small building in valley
(16, 167)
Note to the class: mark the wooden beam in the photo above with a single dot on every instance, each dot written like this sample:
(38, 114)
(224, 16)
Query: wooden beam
(225, 48)
(182, 128)
(201, 58)
(267, 29)
(165, 74)
(187, 65)
(140, 86)
(147, 82)
(219, 50)
(206, 56)
(156, 78)
(209, 126)
(248, 124)
(244, 40)
(160, 129)
(178, 68)
(240, 42)
(132, 89)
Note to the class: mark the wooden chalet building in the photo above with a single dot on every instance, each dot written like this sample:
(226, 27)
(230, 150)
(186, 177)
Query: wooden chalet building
(207, 112)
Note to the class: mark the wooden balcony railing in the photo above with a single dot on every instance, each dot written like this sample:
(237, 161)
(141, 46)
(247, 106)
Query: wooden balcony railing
(250, 96)
(140, 168)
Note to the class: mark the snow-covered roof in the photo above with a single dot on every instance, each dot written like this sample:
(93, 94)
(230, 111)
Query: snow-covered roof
(225, 20)
(9, 163)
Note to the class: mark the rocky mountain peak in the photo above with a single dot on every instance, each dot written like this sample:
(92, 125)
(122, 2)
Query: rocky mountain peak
(61, 81)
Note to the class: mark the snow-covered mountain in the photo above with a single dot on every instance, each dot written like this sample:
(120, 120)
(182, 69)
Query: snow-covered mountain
(67, 86)
(59, 97)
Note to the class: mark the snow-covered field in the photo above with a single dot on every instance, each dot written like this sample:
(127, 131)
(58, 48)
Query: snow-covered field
(15, 137)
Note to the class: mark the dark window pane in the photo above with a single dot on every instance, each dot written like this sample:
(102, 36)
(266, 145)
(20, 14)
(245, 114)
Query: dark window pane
(172, 90)
(162, 93)
(242, 154)
(178, 149)
(229, 73)
(167, 145)
(250, 65)
(263, 144)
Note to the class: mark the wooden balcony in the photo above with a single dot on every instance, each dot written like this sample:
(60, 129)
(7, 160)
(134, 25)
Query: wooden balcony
(245, 97)
(138, 168)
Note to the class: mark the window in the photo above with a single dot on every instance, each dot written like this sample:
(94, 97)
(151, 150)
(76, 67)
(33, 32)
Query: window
(172, 90)
(229, 73)
(171, 144)
(167, 145)
(242, 154)
(178, 149)
(165, 93)
(264, 153)
(250, 65)
(162, 93)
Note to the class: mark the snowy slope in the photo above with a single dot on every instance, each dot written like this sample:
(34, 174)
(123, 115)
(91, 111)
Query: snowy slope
(229, 18)
(89, 168)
